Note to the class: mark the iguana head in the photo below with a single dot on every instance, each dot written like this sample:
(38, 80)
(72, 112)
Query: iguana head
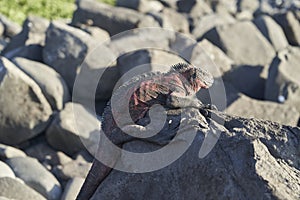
(197, 78)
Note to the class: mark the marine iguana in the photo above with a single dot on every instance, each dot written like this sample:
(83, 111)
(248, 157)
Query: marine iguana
(171, 90)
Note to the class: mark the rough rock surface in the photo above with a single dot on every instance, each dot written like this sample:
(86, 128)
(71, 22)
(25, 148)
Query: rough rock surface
(2, 29)
(24, 110)
(36, 176)
(47, 155)
(196, 8)
(290, 26)
(6, 171)
(96, 32)
(141, 5)
(283, 84)
(242, 42)
(32, 52)
(272, 31)
(260, 154)
(33, 32)
(53, 86)
(69, 134)
(3, 43)
(210, 21)
(211, 57)
(142, 38)
(249, 5)
(170, 19)
(72, 188)
(72, 169)
(99, 14)
(11, 28)
(10, 152)
(14, 189)
(146, 61)
(65, 44)
(224, 6)
(173, 20)
(258, 76)
(251, 108)
(248, 80)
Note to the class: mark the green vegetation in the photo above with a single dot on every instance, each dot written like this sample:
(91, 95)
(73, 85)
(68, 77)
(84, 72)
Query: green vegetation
(18, 10)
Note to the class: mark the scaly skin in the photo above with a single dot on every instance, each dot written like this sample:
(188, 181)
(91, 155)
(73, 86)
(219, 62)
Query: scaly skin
(171, 90)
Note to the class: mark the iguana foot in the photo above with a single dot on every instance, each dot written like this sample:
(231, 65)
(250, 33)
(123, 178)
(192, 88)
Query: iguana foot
(211, 107)
(194, 123)
(204, 110)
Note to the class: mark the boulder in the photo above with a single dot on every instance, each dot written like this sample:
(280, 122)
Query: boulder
(139, 39)
(245, 15)
(224, 6)
(72, 188)
(36, 176)
(112, 19)
(283, 84)
(250, 5)
(169, 3)
(69, 134)
(6, 171)
(170, 19)
(277, 7)
(10, 28)
(84, 156)
(72, 169)
(2, 29)
(14, 189)
(141, 5)
(51, 83)
(71, 51)
(262, 154)
(248, 80)
(3, 43)
(199, 10)
(65, 50)
(272, 31)
(140, 59)
(32, 52)
(182, 44)
(186, 6)
(196, 8)
(205, 54)
(290, 25)
(242, 42)
(33, 33)
(207, 22)
(24, 109)
(97, 33)
(146, 61)
(47, 155)
(266, 110)
(10, 152)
